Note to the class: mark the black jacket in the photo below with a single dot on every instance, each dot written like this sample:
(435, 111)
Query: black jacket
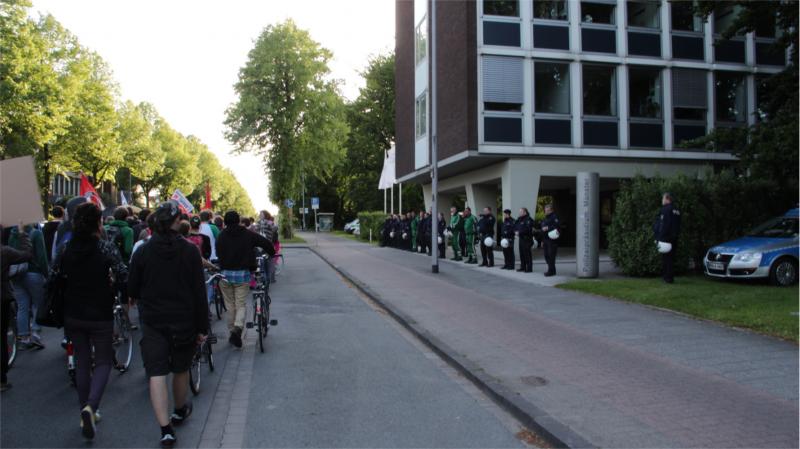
(236, 248)
(668, 224)
(166, 277)
(11, 256)
(508, 229)
(551, 222)
(486, 225)
(524, 226)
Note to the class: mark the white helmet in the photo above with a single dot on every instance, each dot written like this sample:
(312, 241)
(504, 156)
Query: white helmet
(448, 233)
(535, 244)
(405, 236)
(391, 234)
(505, 243)
(664, 247)
(554, 234)
(439, 239)
(488, 242)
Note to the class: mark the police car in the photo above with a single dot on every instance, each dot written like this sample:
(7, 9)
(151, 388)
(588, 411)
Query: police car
(768, 251)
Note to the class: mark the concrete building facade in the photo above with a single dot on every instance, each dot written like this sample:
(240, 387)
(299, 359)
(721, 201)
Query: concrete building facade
(532, 92)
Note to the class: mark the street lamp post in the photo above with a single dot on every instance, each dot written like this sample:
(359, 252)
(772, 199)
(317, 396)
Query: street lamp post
(434, 153)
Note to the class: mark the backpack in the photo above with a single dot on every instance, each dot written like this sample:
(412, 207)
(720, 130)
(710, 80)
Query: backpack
(114, 235)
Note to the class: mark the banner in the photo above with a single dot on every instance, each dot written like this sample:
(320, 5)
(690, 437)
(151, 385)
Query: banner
(184, 204)
(88, 191)
(388, 174)
(20, 200)
(208, 204)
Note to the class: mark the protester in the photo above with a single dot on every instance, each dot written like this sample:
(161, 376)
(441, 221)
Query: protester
(9, 256)
(119, 232)
(142, 225)
(208, 228)
(167, 282)
(50, 228)
(29, 288)
(64, 231)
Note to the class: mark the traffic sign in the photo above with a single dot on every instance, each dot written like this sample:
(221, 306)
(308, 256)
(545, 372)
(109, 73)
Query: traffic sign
(315, 202)
(289, 204)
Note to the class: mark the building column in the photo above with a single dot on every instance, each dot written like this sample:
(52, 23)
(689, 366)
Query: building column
(480, 196)
(520, 186)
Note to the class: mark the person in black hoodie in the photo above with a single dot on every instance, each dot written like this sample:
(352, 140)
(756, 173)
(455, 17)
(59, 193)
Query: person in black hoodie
(92, 270)
(236, 252)
(166, 278)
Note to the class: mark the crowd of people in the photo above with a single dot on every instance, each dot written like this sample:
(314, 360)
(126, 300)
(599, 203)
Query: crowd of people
(156, 261)
(413, 232)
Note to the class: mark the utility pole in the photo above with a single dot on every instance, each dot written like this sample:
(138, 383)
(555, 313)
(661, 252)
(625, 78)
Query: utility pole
(303, 201)
(434, 153)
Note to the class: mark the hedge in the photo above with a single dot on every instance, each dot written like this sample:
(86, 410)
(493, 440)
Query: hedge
(370, 220)
(714, 209)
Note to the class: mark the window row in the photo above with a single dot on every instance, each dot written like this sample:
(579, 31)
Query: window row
(421, 115)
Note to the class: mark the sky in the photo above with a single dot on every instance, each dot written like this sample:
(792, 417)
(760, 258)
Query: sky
(184, 56)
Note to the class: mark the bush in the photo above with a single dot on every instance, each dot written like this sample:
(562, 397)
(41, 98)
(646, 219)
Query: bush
(370, 221)
(714, 209)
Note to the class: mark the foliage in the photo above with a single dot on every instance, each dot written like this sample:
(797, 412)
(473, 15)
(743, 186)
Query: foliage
(765, 309)
(710, 214)
(370, 221)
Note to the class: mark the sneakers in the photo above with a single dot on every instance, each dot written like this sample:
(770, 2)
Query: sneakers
(180, 415)
(168, 437)
(87, 422)
(25, 343)
(97, 417)
(236, 337)
(36, 341)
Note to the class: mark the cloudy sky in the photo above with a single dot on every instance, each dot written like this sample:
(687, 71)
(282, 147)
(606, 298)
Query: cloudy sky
(184, 56)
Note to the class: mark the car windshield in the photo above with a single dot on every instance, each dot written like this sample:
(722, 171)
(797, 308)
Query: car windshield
(779, 227)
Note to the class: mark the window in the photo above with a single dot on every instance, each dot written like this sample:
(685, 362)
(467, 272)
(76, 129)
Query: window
(766, 26)
(724, 16)
(551, 88)
(502, 83)
(597, 13)
(643, 14)
(501, 8)
(645, 92)
(599, 90)
(689, 94)
(683, 17)
(421, 41)
(421, 115)
(550, 10)
(730, 97)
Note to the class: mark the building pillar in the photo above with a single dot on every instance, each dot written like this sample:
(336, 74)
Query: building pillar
(587, 226)
(480, 196)
(520, 188)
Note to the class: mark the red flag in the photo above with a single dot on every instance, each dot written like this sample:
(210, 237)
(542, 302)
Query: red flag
(207, 206)
(87, 191)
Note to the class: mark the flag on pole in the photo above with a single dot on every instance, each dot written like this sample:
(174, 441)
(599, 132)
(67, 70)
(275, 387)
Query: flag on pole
(122, 200)
(388, 174)
(208, 204)
(87, 190)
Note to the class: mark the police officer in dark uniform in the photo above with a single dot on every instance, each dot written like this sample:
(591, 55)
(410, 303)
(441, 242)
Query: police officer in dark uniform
(385, 229)
(550, 224)
(442, 226)
(667, 228)
(507, 232)
(486, 229)
(524, 230)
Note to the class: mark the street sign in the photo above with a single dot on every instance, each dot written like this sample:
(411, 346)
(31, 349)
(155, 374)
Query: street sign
(315, 202)
(289, 204)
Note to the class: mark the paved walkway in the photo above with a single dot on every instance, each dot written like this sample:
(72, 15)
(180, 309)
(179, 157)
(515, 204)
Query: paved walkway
(591, 371)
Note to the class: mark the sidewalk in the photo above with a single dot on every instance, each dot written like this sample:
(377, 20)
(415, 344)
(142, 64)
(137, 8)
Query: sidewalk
(590, 371)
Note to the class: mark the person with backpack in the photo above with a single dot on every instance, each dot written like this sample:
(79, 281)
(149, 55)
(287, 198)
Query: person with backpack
(64, 231)
(28, 285)
(9, 256)
(120, 233)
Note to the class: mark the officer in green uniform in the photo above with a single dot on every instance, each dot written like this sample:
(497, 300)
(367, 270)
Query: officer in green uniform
(470, 226)
(414, 227)
(456, 228)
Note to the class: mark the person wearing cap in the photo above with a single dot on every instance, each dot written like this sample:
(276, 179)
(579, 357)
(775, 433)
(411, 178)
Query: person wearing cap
(551, 228)
(486, 230)
(236, 251)
(507, 233)
(166, 279)
(523, 228)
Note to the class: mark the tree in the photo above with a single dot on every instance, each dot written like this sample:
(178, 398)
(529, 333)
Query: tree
(142, 153)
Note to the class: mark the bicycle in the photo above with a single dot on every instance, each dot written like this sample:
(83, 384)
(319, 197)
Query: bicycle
(278, 261)
(203, 354)
(219, 303)
(11, 334)
(123, 342)
(261, 305)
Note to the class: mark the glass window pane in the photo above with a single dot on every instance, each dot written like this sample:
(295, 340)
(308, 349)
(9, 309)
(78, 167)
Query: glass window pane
(765, 26)
(597, 13)
(501, 8)
(421, 41)
(421, 115)
(731, 97)
(643, 14)
(645, 92)
(599, 91)
(550, 9)
(683, 18)
(551, 88)
(724, 16)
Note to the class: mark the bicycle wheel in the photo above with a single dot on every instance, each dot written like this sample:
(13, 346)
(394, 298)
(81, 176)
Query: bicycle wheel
(258, 321)
(218, 304)
(265, 314)
(11, 334)
(194, 374)
(123, 342)
(209, 356)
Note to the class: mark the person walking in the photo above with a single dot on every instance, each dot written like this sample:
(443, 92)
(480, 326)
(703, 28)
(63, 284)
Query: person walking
(551, 228)
(486, 230)
(236, 250)
(523, 228)
(456, 228)
(210, 229)
(29, 287)
(92, 270)
(9, 256)
(49, 229)
(166, 279)
(507, 233)
(667, 229)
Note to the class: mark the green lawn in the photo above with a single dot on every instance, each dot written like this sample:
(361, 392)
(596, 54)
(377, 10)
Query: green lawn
(762, 308)
(353, 237)
(295, 239)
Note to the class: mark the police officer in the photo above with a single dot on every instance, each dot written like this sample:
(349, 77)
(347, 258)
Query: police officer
(456, 228)
(414, 231)
(441, 225)
(507, 233)
(385, 229)
(523, 228)
(470, 226)
(667, 228)
(486, 229)
(550, 224)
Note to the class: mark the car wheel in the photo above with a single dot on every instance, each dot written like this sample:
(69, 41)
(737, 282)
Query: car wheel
(783, 272)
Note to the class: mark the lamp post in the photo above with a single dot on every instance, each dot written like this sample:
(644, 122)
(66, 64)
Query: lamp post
(434, 153)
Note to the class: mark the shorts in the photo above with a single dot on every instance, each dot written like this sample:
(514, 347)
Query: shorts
(166, 351)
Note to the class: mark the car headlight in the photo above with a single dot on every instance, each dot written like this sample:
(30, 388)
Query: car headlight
(748, 257)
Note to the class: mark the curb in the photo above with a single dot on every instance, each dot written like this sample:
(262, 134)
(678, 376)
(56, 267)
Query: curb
(531, 416)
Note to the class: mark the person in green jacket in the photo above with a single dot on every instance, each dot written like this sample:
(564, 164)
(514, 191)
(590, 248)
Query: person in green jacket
(456, 228)
(120, 233)
(29, 286)
(470, 225)
(414, 228)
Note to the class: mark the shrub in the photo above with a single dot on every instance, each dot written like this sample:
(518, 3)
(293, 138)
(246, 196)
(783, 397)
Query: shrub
(370, 221)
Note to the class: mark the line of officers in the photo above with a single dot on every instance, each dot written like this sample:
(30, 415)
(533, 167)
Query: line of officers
(412, 232)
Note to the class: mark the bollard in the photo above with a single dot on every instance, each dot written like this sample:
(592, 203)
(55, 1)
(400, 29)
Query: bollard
(587, 226)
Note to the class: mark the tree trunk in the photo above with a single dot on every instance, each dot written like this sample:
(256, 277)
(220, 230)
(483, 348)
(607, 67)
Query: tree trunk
(46, 177)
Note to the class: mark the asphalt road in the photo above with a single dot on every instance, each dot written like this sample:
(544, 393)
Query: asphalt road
(337, 373)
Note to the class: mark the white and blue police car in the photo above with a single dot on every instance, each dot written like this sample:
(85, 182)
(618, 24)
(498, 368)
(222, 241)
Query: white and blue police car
(768, 251)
